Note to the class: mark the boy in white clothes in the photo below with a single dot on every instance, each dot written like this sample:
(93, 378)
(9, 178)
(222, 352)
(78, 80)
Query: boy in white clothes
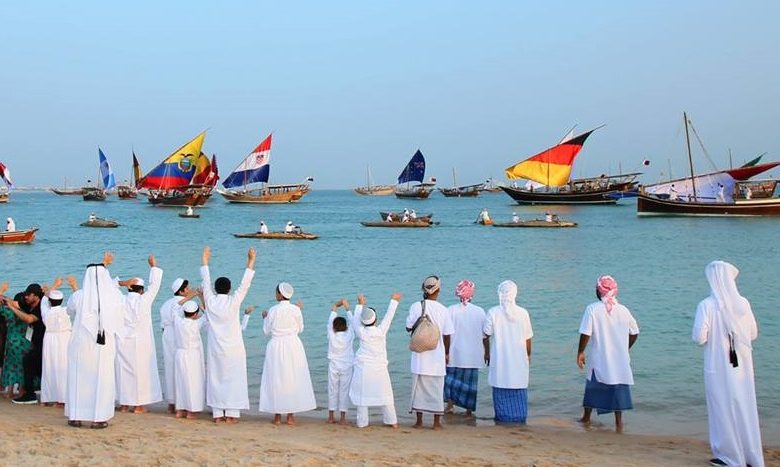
(54, 376)
(340, 359)
(371, 384)
(189, 362)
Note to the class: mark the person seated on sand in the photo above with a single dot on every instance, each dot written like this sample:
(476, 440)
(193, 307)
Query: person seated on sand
(263, 228)
(515, 218)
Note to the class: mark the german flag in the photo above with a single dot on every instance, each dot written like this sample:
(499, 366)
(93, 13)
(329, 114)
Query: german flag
(551, 167)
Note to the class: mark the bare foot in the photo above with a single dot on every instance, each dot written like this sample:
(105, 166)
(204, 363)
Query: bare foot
(277, 420)
(584, 421)
(140, 409)
(437, 426)
(171, 408)
(231, 420)
(182, 414)
(291, 420)
(331, 421)
(59, 405)
(417, 425)
(219, 420)
(343, 421)
(192, 416)
(469, 414)
(123, 409)
(393, 426)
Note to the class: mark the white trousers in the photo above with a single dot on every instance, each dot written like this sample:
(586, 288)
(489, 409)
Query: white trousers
(388, 415)
(218, 413)
(338, 388)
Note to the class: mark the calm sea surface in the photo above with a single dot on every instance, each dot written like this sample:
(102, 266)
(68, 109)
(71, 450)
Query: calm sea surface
(658, 262)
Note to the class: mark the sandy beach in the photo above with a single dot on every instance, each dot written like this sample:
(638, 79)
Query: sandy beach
(36, 435)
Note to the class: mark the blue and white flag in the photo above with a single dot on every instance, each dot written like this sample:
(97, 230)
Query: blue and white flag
(105, 171)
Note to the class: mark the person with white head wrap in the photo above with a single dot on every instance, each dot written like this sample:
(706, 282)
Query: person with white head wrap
(611, 331)
(263, 228)
(467, 350)
(10, 225)
(98, 308)
(430, 367)
(54, 372)
(168, 313)
(508, 332)
(289, 228)
(371, 386)
(137, 377)
(190, 366)
(285, 386)
(726, 328)
(226, 381)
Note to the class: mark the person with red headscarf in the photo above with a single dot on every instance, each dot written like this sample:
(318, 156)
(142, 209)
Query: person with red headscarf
(467, 352)
(611, 330)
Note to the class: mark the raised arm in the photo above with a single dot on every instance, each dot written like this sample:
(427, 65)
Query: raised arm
(205, 275)
(155, 279)
(246, 280)
(387, 320)
(356, 323)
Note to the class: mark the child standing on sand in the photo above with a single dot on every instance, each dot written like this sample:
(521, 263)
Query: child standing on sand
(340, 359)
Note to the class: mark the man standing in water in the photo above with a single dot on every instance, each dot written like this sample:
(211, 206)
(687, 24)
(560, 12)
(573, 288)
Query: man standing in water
(726, 328)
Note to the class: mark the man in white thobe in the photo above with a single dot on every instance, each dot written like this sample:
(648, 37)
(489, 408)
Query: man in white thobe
(190, 362)
(10, 225)
(726, 328)
(98, 308)
(137, 378)
(54, 372)
(429, 368)
(263, 228)
(226, 380)
(168, 313)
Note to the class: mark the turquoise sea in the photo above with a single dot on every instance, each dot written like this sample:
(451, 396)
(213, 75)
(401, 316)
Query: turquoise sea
(658, 263)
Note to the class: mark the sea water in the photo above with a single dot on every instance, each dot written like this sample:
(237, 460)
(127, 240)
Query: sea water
(658, 263)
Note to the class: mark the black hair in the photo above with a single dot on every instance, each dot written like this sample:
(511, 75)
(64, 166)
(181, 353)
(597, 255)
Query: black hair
(190, 314)
(34, 289)
(598, 294)
(222, 285)
(55, 301)
(137, 288)
(372, 323)
(339, 324)
(183, 286)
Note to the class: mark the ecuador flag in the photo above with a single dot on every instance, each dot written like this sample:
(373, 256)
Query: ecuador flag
(179, 168)
(551, 167)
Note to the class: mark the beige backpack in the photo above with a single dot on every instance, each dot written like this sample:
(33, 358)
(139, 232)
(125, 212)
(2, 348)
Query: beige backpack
(425, 333)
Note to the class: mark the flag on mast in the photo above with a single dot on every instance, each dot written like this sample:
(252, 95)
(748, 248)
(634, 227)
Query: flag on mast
(551, 167)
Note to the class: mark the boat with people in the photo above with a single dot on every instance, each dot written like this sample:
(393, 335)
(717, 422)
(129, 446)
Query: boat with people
(126, 190)
(189, 214)
(373, 190)
(724, 193)
(5, 192)
(463, 191)
(185, 178)
(400, 215)
(410, 224)
(414, 172)
(278, 235)
(538, 223)
(548, 178)
(99, 222)
(18, 236)
(248, 183)
(106, 177)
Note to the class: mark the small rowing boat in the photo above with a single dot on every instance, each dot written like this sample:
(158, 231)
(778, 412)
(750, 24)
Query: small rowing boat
(278, 235)
(100, 223)
(187, 215)
(539, 223)
(398, 224)
(18, 237)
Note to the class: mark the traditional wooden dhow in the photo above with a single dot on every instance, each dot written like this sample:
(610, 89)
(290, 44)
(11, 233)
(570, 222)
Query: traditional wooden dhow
(538, 223)
(414, 172)
(99, 222)
(278, 235)
(18, 236)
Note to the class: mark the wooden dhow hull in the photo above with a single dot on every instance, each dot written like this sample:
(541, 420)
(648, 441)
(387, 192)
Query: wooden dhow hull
(93, 195)
(278, 235)
(4, 197)
(126, 192)
(271, 194)
(379, 190)
(67, 191)
(537, 223)
(100, 223)
(647, 205)
(458, 193)
(18, 237)
(422, 193)
(192, 196)
(609, 195)
(400, 225)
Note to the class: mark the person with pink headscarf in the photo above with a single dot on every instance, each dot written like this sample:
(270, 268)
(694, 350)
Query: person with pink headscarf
(467, 351)
(611, 331)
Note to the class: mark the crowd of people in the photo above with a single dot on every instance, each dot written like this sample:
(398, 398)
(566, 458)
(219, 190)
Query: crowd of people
(107, 360)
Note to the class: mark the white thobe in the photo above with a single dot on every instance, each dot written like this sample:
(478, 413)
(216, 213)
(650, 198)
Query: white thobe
(263, 229)
(285, 386)
(10, 226)
(168, 311)
(54, 374)
(432, 362)
(226, 381)
(608, 356)
(340, 359)
(190, 367)
(735, 436)
(466, 347)
(508, 354)
(91, 379)
(137, 377)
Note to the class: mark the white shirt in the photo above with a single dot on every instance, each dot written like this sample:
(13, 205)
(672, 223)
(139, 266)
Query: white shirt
(432, 362)
(484, 216)
(508, 353)
(515, 218)
(340, 349)
(608, 356)
(288, 228)
(169, 311)
(466, 349)
(10, 226)
(55, 318)
(263, 229)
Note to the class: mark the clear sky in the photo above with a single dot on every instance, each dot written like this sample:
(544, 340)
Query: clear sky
(345, 84)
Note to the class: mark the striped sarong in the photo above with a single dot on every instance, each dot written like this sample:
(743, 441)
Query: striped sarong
(606, 398)
(460, 387)
(510, 405)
